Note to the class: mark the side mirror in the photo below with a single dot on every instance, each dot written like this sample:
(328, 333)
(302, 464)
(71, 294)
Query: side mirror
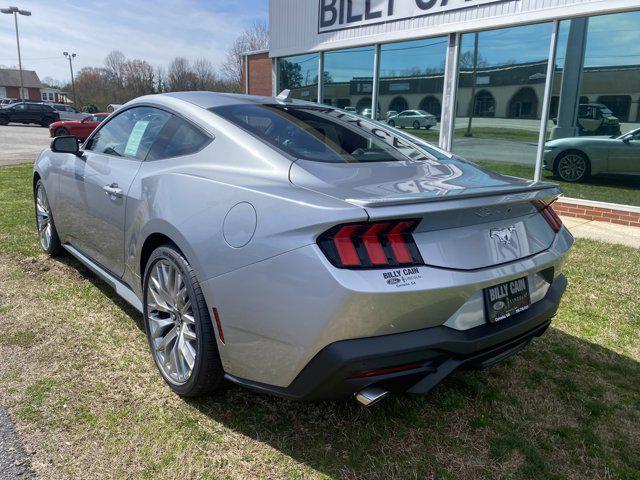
(65, 144)
(626, 139)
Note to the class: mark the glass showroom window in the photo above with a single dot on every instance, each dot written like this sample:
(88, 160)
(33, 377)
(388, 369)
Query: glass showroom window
(594, 146)
(411, 83)
(300, 75)
(348, 79)
(500, 94)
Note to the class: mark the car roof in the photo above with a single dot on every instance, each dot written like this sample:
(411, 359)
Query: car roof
(214, 99)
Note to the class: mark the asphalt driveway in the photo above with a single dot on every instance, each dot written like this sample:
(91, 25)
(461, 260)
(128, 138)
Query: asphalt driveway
(19, 143)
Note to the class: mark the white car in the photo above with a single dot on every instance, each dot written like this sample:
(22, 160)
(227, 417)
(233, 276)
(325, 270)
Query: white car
(413, 118)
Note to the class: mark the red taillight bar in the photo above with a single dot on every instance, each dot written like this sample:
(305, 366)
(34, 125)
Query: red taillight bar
(549, 214)
(344, 244)
(382, 244)
(385, 371)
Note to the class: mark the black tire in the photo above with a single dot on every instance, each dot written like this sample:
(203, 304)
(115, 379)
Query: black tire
(46, 122)
(428, 127)
(416, 125)
(60, 131)
(572, 161)
(391, 123)
(4, 121)
(54, 247)
(207, 375)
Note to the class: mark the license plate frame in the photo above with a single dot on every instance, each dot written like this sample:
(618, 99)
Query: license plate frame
(506, 299)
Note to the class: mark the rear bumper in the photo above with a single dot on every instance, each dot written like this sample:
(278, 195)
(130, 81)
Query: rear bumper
(438, 350)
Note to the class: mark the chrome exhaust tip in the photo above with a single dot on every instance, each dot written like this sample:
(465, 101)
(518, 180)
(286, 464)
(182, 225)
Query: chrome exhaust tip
(370, 396)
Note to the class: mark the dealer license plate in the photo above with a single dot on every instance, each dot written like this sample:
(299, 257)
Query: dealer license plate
(508, 298)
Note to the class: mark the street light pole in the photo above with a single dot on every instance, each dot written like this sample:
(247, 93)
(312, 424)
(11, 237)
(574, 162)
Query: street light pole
(15, 11)
(70, 57)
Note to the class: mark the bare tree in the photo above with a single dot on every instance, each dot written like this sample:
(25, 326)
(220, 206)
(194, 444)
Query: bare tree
(137, 79)
(256, 37)
(180, 77)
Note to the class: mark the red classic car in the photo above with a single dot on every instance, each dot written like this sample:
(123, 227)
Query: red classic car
(79, 128)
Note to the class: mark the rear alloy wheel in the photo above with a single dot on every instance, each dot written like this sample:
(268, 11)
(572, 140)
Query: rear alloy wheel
(46, 122)
(416, 125)
(573, 167)
(178, 325)
(61, 131)
(4, 121)
(47, 234)
(392, 123)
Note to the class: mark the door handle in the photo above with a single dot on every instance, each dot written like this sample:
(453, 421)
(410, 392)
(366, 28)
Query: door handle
(112, 191)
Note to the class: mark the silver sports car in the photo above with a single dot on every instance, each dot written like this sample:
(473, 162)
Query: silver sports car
(301, 250)
(574, 159)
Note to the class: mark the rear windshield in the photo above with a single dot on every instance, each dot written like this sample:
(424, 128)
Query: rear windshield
(320, 134)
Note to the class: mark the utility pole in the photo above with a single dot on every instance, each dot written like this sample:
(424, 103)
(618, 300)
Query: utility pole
(15, 11)
(71, 56)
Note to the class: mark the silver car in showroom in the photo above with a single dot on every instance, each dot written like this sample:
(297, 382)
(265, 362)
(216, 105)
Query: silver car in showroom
(415, 119)
(301, 250)
(575, 159)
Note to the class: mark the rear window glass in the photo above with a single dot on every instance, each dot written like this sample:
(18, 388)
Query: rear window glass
(320, 134)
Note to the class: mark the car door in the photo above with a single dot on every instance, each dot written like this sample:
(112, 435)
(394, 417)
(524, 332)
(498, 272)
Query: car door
(85, 126)
(403, 119)
(624, 155)
(19, 113)
(94, 194)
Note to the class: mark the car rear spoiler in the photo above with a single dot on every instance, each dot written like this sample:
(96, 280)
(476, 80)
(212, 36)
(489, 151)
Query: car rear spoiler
(382, 208)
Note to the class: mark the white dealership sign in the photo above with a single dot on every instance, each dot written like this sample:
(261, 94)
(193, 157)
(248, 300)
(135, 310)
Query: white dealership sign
(343, 14)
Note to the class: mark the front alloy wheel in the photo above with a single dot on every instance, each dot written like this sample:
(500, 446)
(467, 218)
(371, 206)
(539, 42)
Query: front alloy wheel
(47, 234)
(573, 167)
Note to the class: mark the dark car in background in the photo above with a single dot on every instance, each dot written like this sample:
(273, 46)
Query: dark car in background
(78, 128)
(26, 112)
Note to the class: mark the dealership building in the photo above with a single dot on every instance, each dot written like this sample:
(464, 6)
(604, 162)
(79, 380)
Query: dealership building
(503, 78)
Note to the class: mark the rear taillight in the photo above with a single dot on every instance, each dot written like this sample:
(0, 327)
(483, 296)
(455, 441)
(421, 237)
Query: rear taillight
(549, 214)
(371, 244)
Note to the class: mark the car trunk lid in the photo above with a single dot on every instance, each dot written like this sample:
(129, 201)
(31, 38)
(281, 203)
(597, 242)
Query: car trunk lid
(470, 218)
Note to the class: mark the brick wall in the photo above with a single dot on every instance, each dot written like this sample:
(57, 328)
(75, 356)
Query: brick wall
(600, 214)
(259, 75)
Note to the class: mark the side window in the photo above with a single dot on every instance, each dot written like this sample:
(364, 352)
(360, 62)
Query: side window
(34, 108)
(177, 138)
(131, 133)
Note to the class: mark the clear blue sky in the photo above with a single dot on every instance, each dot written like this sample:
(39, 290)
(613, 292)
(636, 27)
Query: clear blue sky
(155, 31)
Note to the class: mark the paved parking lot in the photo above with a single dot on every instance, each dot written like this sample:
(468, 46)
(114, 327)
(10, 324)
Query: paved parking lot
(19, 143)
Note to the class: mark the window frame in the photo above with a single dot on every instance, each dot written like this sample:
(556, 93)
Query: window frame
(170, 111)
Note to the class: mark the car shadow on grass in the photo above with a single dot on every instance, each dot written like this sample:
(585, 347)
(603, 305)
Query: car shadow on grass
(542, 413)
(105, 288)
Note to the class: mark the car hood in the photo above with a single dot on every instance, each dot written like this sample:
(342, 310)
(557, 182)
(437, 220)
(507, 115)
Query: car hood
(410, 181)
(577, 140)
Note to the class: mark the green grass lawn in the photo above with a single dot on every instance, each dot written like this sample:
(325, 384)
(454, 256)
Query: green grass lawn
(622, 190)
(76, 374)
(516, 135)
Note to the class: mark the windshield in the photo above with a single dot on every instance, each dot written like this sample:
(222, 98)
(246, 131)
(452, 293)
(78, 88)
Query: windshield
(321, 134)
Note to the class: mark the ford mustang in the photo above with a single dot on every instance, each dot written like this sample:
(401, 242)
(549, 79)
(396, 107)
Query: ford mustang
(78, 128)
(574, 159)
(302, 250)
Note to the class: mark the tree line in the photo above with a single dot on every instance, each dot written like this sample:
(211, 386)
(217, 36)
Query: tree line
(121, 79)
